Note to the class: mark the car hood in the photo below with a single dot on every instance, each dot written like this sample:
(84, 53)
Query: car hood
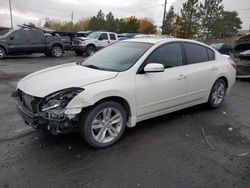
(47, 81)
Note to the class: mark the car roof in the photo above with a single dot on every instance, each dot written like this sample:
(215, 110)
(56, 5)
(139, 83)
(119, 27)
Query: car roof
(155, 40)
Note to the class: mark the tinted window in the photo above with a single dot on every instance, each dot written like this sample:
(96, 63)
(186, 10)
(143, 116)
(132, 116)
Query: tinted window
(211, 54)
(195, 53)
(169, 55)
(35, 36)
(112, 36)
(104, 36)
(20, 34)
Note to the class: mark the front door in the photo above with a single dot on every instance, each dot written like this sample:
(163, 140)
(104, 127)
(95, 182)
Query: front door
(103, 40)
(162, 91)
(18, 42)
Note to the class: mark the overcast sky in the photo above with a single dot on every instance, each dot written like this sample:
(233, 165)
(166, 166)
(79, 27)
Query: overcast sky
(25, 11)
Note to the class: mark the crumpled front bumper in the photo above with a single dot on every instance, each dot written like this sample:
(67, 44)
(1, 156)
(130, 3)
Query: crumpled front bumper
(29, 117)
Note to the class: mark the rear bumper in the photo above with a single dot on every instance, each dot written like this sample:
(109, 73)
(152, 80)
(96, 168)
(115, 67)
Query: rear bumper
(243, 71)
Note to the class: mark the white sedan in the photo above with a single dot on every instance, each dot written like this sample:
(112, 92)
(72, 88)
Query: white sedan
(124, 84)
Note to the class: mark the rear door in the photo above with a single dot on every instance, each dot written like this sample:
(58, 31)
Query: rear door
(201, 70)
(36, 40)
(112, 37)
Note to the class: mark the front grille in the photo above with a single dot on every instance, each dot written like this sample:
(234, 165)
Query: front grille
(32, 103)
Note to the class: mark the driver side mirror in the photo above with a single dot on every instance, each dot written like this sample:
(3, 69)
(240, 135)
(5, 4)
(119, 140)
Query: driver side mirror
(154, 67)
(12, 37)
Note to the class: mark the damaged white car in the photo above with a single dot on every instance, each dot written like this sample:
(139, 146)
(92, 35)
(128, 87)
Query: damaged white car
(124, 84)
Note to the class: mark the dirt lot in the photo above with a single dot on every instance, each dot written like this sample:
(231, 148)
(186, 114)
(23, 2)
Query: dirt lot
(169, 151)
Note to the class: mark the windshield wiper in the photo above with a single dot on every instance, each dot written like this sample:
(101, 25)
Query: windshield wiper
(93, 67)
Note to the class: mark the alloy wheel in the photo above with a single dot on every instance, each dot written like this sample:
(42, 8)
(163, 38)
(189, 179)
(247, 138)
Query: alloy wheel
(107, 125)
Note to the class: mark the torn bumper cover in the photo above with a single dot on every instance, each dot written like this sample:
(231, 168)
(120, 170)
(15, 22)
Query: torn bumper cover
(52, 120)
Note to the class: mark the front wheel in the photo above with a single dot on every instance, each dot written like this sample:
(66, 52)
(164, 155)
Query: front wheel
(90, 50)
(217, 94)
(103, 124)
(2, 53)
(57, 51)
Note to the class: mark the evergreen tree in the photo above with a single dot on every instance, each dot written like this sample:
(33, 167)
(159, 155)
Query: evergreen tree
(168, 22)
(111, 24)
(228, 25)
(189, 19)
(211, 13)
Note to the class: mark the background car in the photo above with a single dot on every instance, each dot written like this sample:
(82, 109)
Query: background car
(242, 58)
(223, 48)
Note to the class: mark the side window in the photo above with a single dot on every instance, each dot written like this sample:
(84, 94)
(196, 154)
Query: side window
(35, 36)
(19, 35)
(195, 53)
(211, 54)
(112, 36)
(104, 36)
(169, 55)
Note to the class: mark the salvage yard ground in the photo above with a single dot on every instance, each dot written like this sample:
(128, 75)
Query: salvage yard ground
(169, 151)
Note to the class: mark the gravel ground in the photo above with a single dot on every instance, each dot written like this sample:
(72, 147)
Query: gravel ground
(168, 151)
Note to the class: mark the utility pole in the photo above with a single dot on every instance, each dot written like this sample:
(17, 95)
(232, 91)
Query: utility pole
(164, 13)
(11, 14)
(72, 16)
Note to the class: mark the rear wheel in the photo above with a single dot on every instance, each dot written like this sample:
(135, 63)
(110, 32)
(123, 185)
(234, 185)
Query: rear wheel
(90, 50)
(217, 93)
(79, 53)
(2, 53)
(57, 51)
(103, 124)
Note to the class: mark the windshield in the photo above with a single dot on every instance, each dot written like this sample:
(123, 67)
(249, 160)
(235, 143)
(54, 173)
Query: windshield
(117, 57)
(9, 32)
(217, 46)
(94, 35)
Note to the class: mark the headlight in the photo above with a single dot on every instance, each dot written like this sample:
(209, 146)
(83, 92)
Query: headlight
(60, 99)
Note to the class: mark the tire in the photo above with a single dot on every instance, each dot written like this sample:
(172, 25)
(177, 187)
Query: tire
(2, 53)
(79, 53)
(217, 94)
(90, 50)
(57, 51)
(102, 133)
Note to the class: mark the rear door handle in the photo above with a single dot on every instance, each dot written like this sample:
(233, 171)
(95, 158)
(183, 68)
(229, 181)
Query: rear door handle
(182, 77)
(214, 68)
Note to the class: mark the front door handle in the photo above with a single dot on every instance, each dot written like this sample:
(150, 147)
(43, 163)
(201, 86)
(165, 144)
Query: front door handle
(182, 77)
(214, 68)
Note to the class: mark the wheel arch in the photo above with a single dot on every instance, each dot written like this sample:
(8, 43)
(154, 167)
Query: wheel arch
(91, 44)
(225, 79)
(5, 49)
(119, 100)
(57, 44)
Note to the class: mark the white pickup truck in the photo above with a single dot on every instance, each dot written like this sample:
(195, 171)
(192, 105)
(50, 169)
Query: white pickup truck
(93, 42)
